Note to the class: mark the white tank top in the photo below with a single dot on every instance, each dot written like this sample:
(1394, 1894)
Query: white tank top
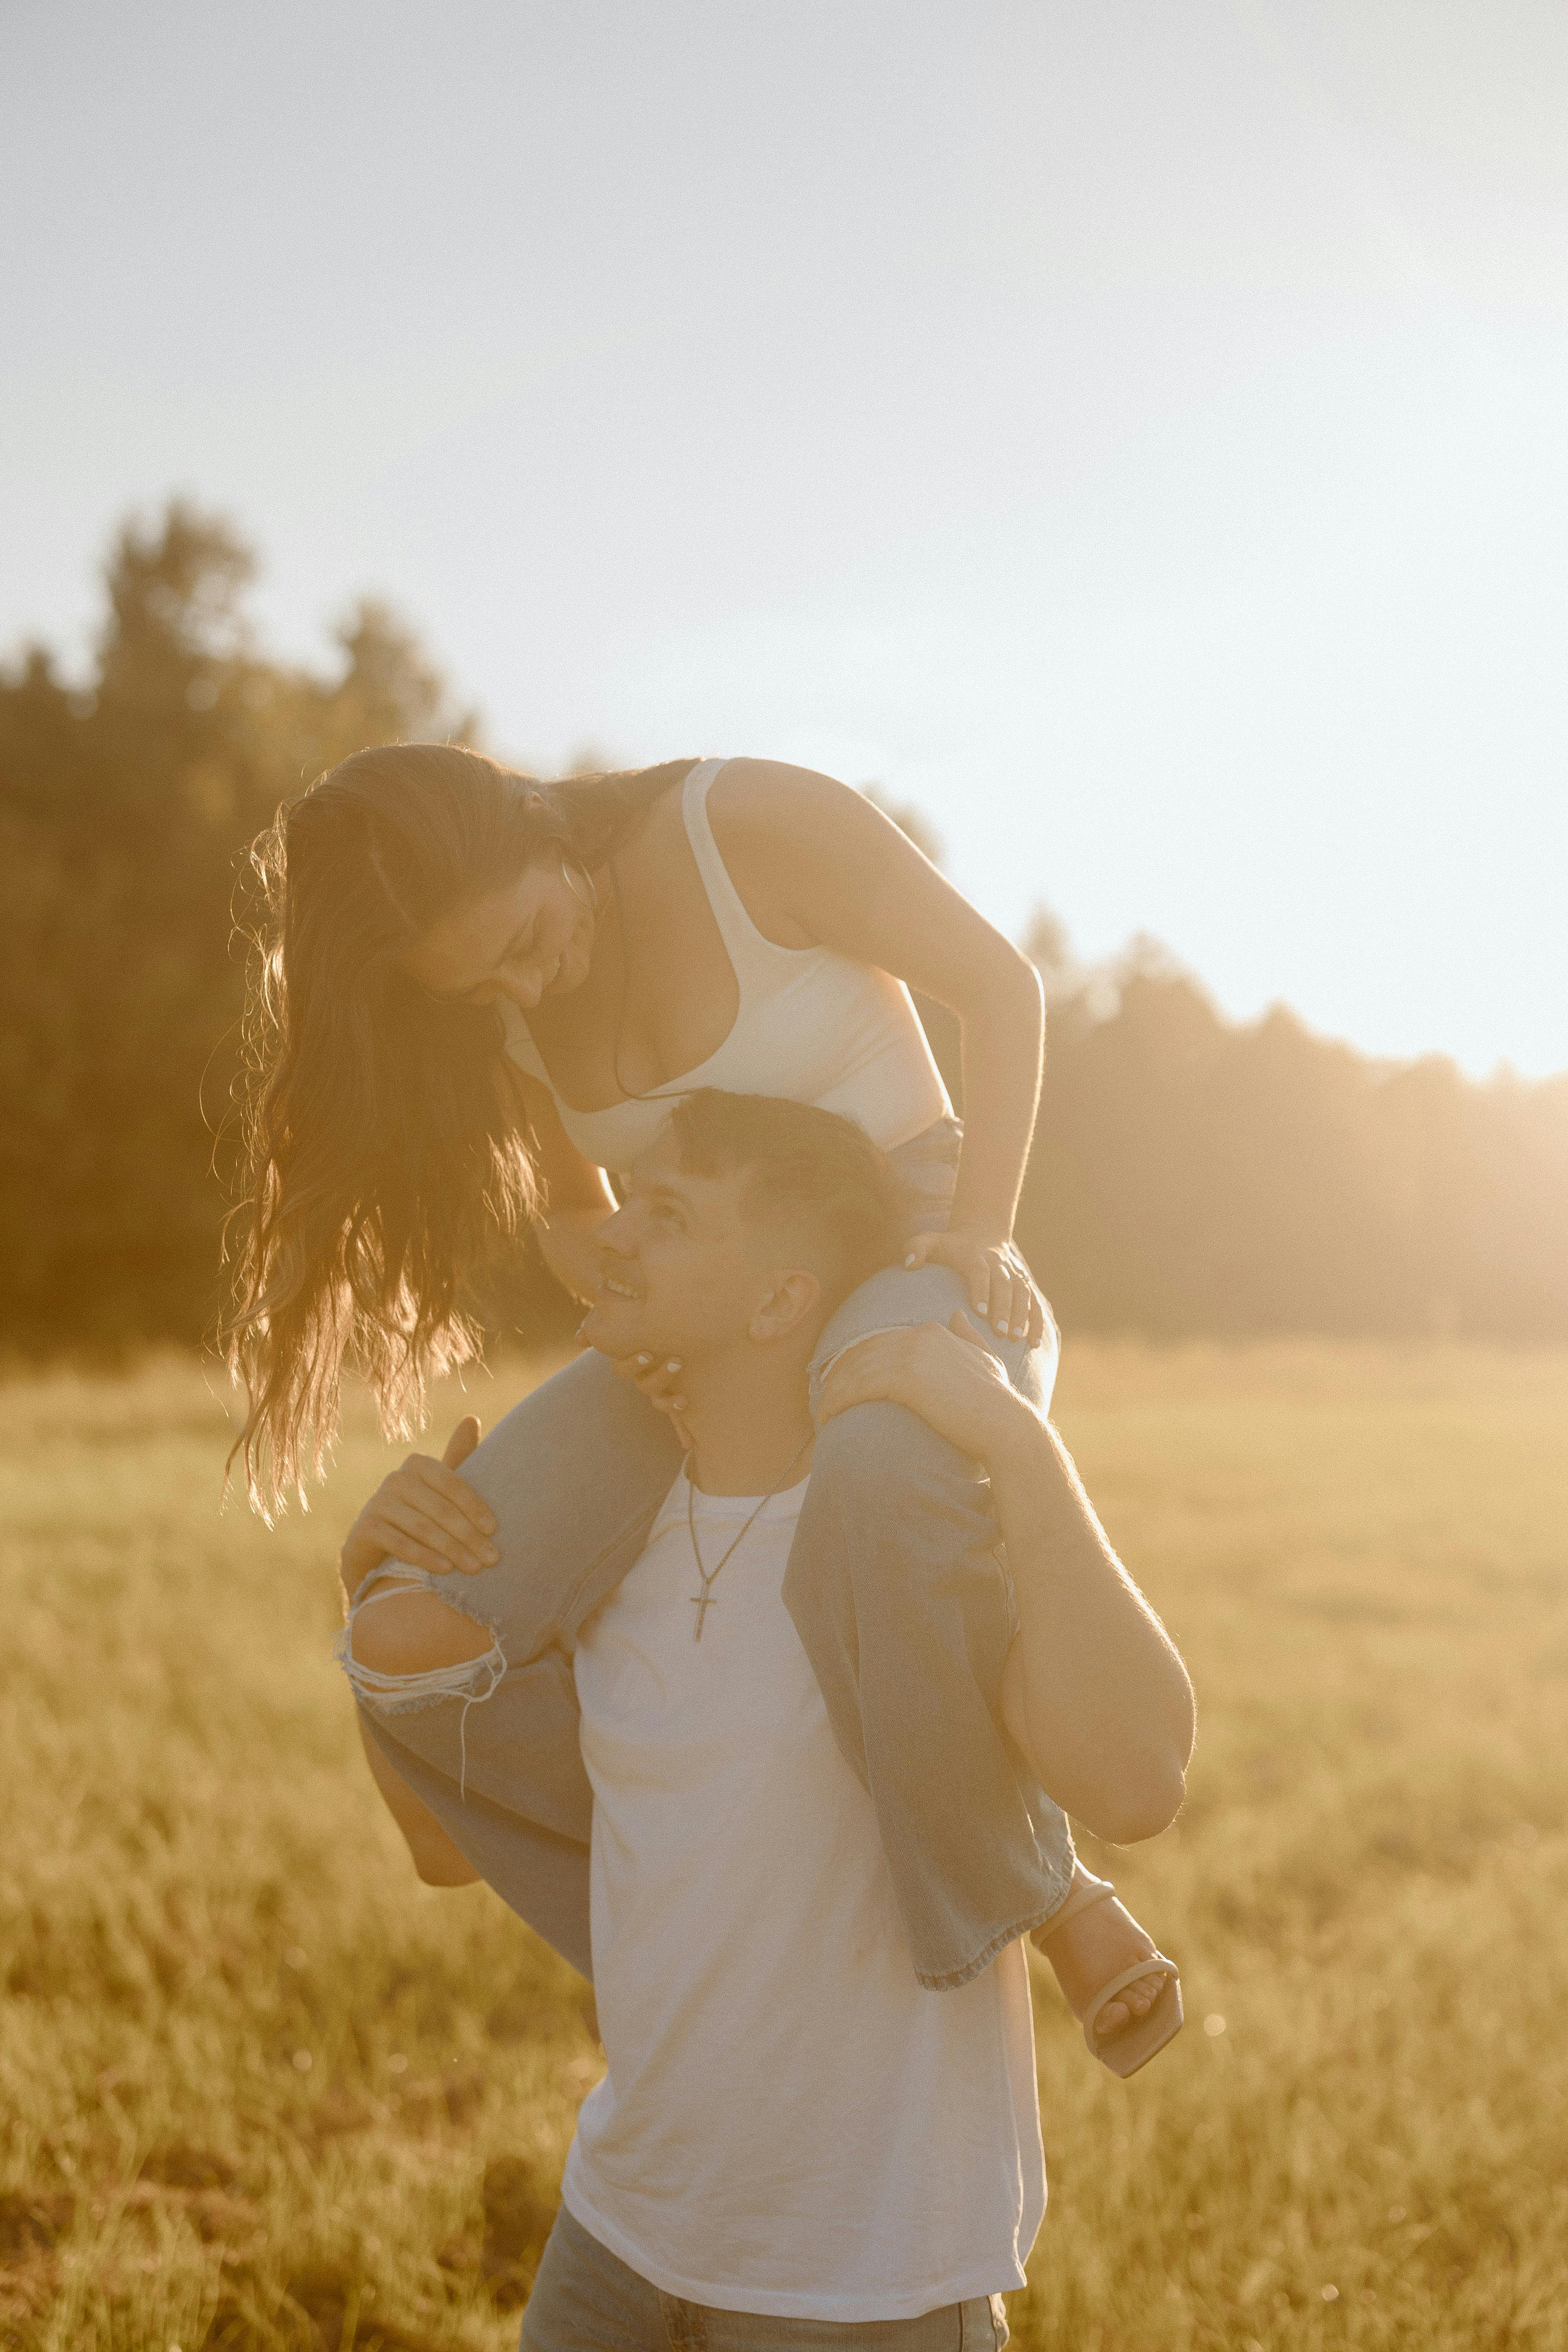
(789, 2123)
(811, 1026)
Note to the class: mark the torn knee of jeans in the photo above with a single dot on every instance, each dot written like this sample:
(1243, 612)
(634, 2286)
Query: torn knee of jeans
(471, 1679)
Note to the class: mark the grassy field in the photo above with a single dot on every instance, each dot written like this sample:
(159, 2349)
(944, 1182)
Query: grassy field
(259, 2088)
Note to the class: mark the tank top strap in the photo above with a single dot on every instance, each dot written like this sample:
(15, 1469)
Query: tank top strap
(748, 949)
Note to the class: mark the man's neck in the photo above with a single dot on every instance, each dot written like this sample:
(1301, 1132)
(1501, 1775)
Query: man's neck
(747, 1417)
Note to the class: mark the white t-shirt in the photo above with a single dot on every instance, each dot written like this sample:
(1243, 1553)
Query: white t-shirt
(789, 2125)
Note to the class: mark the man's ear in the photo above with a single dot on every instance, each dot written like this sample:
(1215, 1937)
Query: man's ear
(789, 1299)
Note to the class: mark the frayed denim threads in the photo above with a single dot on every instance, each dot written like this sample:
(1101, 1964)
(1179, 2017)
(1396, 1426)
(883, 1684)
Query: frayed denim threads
(404, 1693)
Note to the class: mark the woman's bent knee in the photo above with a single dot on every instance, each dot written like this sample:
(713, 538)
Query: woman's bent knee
(898, 1297)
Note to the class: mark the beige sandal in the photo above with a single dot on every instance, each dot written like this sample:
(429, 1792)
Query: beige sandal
(1122, 2052)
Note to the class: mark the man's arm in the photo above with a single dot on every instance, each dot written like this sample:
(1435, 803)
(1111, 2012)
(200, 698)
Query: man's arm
(1093, 1690)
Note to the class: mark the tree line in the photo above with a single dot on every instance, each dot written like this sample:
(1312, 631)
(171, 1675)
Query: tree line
(1190, 1175)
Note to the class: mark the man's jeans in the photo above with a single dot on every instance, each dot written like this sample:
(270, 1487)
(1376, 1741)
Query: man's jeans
(896, 1591)
(586, 2300)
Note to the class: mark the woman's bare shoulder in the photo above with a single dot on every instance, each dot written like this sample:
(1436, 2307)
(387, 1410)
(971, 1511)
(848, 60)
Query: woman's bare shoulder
(804, 850)
(768, 802)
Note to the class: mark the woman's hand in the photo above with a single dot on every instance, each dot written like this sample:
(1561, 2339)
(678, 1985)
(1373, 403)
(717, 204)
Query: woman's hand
(659, 1380)
(947, 1376)
(1000, 1287)
(424, 1514)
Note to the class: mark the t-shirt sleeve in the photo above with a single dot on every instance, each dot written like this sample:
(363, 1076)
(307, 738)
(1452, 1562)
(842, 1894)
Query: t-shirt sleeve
(520, 1045)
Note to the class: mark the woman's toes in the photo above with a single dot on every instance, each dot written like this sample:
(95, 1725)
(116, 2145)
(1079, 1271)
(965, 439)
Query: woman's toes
(1131, 2005)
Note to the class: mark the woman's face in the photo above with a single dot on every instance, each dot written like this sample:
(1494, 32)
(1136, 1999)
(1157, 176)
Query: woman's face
(530, 938)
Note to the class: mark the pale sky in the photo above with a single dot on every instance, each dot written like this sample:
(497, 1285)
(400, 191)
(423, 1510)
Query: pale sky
(1135, 432)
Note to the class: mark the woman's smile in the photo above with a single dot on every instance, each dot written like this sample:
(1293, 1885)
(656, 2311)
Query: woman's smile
(570, 968)
(531, 939)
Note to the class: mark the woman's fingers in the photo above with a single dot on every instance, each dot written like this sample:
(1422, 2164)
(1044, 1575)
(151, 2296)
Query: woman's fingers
(1001, 1289)
(660, 1383)
(1030, 1308)
(1016, 1309)
(659, 1376)
(969, 1260)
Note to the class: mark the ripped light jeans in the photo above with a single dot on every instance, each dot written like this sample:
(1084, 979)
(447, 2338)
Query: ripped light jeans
(895, 1588)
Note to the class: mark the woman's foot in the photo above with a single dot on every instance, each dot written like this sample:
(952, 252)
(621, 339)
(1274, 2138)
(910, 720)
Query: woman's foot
(1097, 1942)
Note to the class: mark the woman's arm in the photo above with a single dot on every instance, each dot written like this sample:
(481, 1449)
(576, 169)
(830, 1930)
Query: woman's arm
(1093, 1690)
(578, 1202)
(817, 865)
(578, 1198)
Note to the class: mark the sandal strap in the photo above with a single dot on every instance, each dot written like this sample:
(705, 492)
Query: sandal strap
(1078, 1899)
(1156, 1964)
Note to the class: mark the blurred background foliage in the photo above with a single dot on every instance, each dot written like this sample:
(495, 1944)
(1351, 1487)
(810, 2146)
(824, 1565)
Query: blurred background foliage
(1191, 1175)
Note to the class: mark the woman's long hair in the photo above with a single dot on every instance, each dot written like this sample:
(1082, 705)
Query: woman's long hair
(382, 1150)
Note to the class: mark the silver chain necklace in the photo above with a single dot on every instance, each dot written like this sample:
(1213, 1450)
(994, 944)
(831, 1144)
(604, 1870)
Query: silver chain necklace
(703, 1601)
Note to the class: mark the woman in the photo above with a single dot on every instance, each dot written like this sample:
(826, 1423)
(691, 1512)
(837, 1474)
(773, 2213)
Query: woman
(480, 996)
(473, 975)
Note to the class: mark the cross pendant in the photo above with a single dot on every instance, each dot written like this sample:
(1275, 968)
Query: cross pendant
(701, 1602)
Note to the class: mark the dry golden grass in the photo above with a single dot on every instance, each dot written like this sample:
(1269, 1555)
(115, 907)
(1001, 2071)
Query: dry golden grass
(252, 2076)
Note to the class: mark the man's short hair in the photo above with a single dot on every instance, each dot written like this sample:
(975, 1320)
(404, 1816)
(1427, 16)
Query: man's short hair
(814, 1173)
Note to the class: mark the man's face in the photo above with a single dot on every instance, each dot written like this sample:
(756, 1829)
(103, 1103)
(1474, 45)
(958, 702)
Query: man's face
(682, 1271)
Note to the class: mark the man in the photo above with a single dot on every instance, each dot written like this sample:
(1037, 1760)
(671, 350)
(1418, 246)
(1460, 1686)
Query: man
(794, 2136)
